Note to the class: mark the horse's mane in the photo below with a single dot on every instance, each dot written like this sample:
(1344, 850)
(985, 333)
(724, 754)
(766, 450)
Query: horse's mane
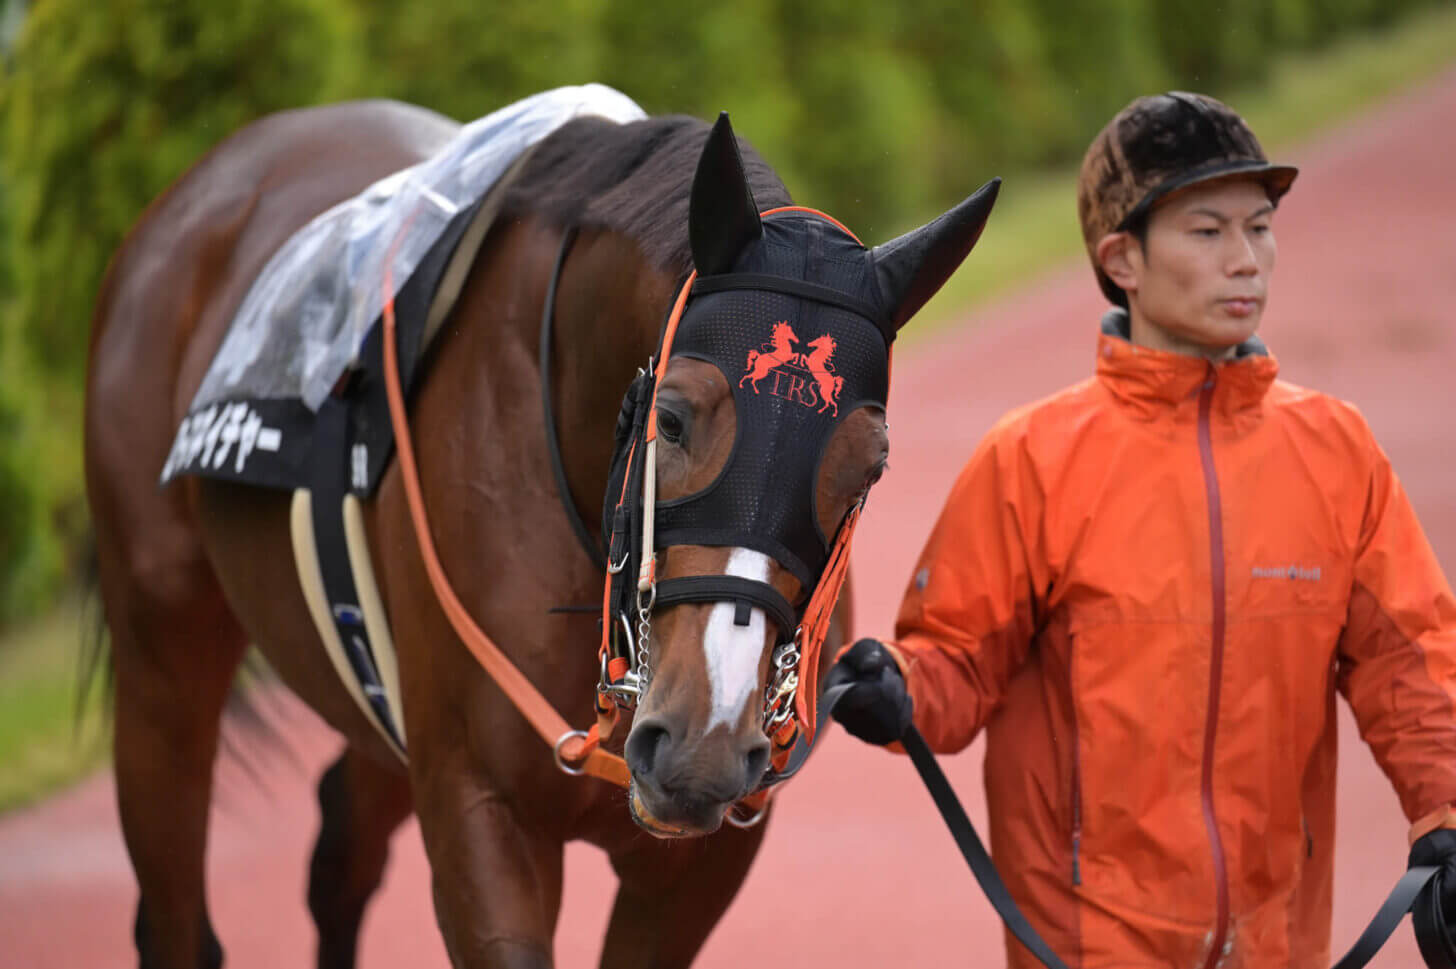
(634, 179)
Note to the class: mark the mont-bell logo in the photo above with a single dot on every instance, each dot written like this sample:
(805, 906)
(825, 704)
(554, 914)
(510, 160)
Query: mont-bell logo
(1293, 573)
(805, 378)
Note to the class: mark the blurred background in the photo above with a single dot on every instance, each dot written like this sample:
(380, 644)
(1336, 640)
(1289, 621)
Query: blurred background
(881, 113)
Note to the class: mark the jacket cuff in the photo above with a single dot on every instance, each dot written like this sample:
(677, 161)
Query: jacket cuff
(902, 662)
(1443, 817)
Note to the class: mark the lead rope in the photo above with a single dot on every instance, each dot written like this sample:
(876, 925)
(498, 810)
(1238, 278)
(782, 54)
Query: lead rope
(575, 751)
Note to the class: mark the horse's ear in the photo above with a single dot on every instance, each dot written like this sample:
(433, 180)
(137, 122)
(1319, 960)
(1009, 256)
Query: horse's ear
(912, 268)
(722, 216)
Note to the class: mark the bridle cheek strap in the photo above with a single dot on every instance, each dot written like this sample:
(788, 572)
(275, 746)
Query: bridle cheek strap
(817, 616)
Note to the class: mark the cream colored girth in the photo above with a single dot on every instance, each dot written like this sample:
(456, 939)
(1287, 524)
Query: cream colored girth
(305, 549)
(376, 623)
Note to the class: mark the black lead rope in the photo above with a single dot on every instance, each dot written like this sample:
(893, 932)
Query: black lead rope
(973, 851)
(1431, 934)
(1400, 900)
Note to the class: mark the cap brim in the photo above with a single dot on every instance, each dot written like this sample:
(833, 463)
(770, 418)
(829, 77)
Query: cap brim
(1276, 179)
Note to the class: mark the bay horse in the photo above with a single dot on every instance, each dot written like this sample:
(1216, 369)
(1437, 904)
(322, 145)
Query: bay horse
(193, 572)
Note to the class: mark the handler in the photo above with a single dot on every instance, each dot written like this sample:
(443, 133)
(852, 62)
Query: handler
(1149, 587)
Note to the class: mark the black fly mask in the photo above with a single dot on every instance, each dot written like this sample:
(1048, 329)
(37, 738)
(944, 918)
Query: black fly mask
(799, 317)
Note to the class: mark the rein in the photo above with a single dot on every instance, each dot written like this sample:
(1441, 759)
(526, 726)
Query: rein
(580, 751)
(553, 442)
(576, 751)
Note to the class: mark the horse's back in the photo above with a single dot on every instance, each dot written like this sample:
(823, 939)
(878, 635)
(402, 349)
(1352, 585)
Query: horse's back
(187, 263)
(176, 280)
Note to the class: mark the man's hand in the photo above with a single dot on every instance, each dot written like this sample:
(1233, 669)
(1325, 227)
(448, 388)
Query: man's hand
(1438, 849)
(876, 708)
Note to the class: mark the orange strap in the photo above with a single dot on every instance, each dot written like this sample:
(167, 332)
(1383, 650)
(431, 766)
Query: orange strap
(817, 616)
(580, 749)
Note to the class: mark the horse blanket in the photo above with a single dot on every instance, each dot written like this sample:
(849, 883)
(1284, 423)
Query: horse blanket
(313, 313)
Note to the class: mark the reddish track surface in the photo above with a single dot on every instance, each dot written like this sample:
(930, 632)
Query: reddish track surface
(1362, 309)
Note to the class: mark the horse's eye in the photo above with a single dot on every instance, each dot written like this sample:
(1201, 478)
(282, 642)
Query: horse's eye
(669, 425)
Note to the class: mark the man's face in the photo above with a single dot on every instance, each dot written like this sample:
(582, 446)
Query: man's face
(1202, 275)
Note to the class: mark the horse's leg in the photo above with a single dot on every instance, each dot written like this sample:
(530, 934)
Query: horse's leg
(176, 648)
(672, 894)
(496, 878)
(363, 802)
(748, 367)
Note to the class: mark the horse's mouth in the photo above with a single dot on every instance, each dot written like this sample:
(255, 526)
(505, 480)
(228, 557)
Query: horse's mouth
(650, 823)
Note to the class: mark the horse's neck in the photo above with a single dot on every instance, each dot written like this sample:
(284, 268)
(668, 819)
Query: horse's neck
(609, 308)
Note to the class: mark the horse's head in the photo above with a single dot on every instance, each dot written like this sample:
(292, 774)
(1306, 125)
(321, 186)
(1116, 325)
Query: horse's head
(825, 345)
(754, 485)
(783, 335)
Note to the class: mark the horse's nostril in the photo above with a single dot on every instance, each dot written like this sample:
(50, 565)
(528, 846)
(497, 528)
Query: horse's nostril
(645, 744)
(756, 761)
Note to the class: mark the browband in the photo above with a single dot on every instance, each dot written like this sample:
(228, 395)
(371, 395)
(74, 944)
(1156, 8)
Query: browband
(796, 287)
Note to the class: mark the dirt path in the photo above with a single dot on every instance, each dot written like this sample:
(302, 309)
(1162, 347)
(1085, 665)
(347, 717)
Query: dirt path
(1362, 308)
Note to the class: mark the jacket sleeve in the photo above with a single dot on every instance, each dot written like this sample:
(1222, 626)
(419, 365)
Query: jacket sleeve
(969, 614)
(1397, 656)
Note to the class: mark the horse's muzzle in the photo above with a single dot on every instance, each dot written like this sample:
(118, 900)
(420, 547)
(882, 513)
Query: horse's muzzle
(682, 790)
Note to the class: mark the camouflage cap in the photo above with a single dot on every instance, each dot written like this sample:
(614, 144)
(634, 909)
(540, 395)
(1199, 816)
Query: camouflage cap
(1155, 147)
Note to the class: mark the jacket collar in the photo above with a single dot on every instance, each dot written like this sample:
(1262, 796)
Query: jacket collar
(1153, 381)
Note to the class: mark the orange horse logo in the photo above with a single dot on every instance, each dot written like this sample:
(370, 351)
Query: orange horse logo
(807, 379)
(762, 362)
(819, 367)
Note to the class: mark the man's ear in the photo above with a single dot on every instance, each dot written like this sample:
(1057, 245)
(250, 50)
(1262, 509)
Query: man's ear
(1121, 258)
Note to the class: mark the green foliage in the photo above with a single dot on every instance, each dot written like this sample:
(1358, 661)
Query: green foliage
(465, 58)
(103, 105)
(880, 113)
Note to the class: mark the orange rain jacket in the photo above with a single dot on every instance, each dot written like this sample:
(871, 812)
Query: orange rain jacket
(1148, 589)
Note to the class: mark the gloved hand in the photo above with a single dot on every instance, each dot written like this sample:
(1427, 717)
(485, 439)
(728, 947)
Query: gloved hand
(877, 707)
(1438, 848)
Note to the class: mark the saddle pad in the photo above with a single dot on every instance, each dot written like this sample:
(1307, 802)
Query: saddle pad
(314, 309)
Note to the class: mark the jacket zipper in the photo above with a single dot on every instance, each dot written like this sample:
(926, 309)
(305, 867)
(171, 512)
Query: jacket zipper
(1215, 666)
(1076, 774)
(1076, 818)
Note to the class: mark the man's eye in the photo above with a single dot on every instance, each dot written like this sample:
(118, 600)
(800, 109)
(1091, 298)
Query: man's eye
(669, 426)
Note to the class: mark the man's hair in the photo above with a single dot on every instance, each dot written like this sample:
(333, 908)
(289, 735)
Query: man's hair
(1158, 146)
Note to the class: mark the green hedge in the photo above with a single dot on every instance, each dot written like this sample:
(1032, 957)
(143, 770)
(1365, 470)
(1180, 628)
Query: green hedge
(104, 104)
(880, 113)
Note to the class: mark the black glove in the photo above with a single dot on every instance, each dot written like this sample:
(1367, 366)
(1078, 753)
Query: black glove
(1434, 911)
(877, 707)
(1438, 849)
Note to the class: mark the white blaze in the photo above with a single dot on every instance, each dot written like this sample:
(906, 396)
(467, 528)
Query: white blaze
(732, 652)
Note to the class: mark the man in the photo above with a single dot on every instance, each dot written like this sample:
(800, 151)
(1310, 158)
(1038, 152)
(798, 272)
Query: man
(1149, 587)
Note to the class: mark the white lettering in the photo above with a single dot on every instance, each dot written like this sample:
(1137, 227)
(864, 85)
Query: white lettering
(206, 438)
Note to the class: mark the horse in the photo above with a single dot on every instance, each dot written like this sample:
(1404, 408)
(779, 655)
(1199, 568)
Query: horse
(817, 363)
(192, 573)
(763, 360)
